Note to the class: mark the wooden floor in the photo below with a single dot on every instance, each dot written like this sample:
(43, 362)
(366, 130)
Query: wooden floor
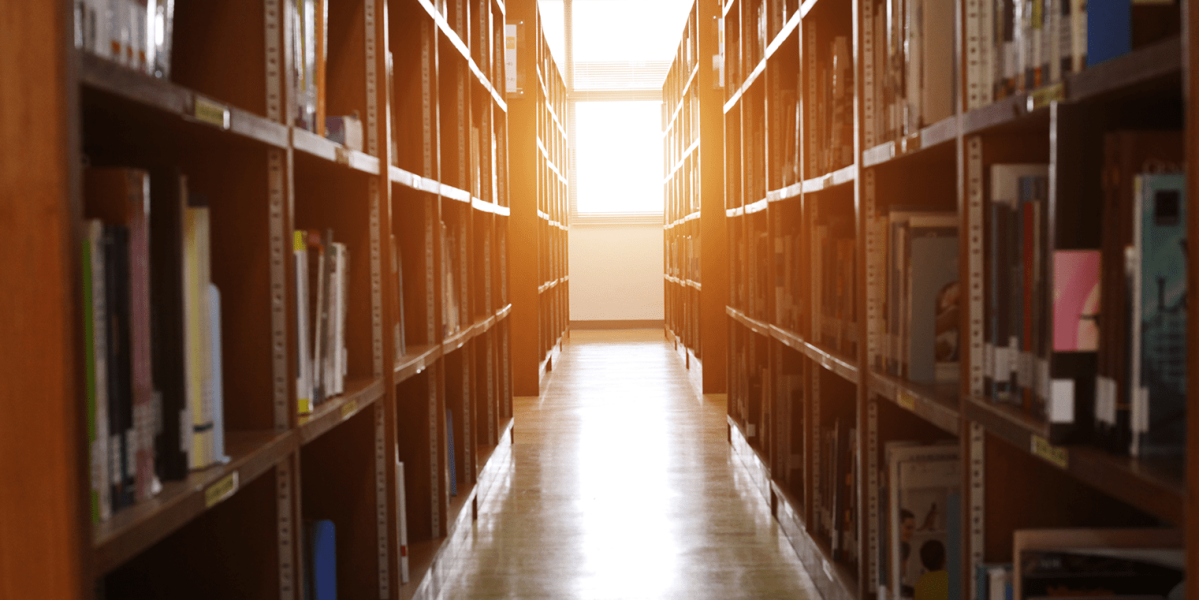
(620, 485)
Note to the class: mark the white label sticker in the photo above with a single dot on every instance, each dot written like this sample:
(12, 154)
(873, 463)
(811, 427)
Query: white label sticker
(1062, 401)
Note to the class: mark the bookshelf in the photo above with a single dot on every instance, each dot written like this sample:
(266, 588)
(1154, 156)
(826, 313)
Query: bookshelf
(407, 214)
(541, 200)
(836, 144)
(694, 273)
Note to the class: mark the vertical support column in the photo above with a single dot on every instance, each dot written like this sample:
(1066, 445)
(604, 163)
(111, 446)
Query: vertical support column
(435, 474)
(975, 492)
(974, 239)
(381, 501)
(874, 321)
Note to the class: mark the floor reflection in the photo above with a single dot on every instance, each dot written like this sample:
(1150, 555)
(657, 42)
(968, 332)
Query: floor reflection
(621, 485)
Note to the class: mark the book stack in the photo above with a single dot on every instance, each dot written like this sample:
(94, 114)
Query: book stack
(833, 252)
(923, 519)
(836, 502)
(322, 284)
(152, 335)
(789, 295)
(1021, 46)
(913, 73)
(134, 33)
(830, 105)
(922, 296)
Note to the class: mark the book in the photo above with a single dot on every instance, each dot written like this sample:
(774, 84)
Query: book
(1088, 562)
(217, 375)
(135, 33)
(320, 582)
(924, 493)
(402, 522)
(197, 276)
(451, 467)
(1075, 329)
(1126, 154)
(346, 130)
(120, 197)
(169, 191)
(1005, 285)
(304, 398)
(95, 318)
(933, 301)
(1159, 355)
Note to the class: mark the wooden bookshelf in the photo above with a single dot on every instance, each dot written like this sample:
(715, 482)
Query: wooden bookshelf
(694, 274)
(541, 198)
(809, 165)
(431, 173)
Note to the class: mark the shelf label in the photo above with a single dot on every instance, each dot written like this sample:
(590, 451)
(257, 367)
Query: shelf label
(341, 156)
(1043, 97)
(211, 112)
(221, 490)
(906, 401)
(1041, 447)
(349, 408)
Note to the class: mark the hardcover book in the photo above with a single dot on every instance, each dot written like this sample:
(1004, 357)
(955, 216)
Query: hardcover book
(1160, 316)
(924, 496)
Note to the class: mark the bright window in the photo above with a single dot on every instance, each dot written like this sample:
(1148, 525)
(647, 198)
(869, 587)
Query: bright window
(619, 154)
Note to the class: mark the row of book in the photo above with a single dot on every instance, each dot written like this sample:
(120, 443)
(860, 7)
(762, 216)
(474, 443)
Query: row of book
(1078, 563)
(835, 502)
(455, 305)
(134, 33)
(682, 189)
(834, 282)
(1023, 45)
(152, 335)
(920, 308)
(1092, 340)
(746, 45)
(322, 306)
(683, 258)
(789, 293)
(908, 48)
(921, 494)
(829, 95)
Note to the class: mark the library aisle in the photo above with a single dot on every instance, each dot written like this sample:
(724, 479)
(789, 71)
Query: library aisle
(621, 485)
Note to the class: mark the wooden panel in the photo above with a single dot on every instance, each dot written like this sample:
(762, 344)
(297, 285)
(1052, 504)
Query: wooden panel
(42, 503)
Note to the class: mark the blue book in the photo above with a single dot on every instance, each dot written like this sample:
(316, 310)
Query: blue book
(321, 582)
(1159, 376)
(1109, 33)
(218, 396)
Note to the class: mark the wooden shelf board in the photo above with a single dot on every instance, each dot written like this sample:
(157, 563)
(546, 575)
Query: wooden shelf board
(1155, 486)
(452, 193)
(843, 367)
(837, 178)
(694, 216)
(937, 404)
(935, 135)
(788, 193)
(750, 323)
(733, 213)
(745, 87)
(790, 339)
(464, 52)
(755, 207)
(359, 394)
(137, 528)
(420, 560)
(807, 7)
(111, 78)
(1126, 73)
(836, 581)
(314, 145)
(682, 159)
(489, 207)
(417, 359)
(683, 94)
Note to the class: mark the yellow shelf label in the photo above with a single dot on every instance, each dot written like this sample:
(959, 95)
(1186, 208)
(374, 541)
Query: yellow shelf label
(211, 112)
(1043, 97)
(221, 490)
(906, 401)
(1041, 447)
(349, 408)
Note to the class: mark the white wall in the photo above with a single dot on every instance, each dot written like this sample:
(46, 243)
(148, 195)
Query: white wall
(616, 272)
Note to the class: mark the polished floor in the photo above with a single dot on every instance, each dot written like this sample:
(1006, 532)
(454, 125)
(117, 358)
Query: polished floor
(621, 484)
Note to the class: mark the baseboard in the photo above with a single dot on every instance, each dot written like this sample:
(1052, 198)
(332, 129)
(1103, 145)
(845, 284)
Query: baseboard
(646, 324)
